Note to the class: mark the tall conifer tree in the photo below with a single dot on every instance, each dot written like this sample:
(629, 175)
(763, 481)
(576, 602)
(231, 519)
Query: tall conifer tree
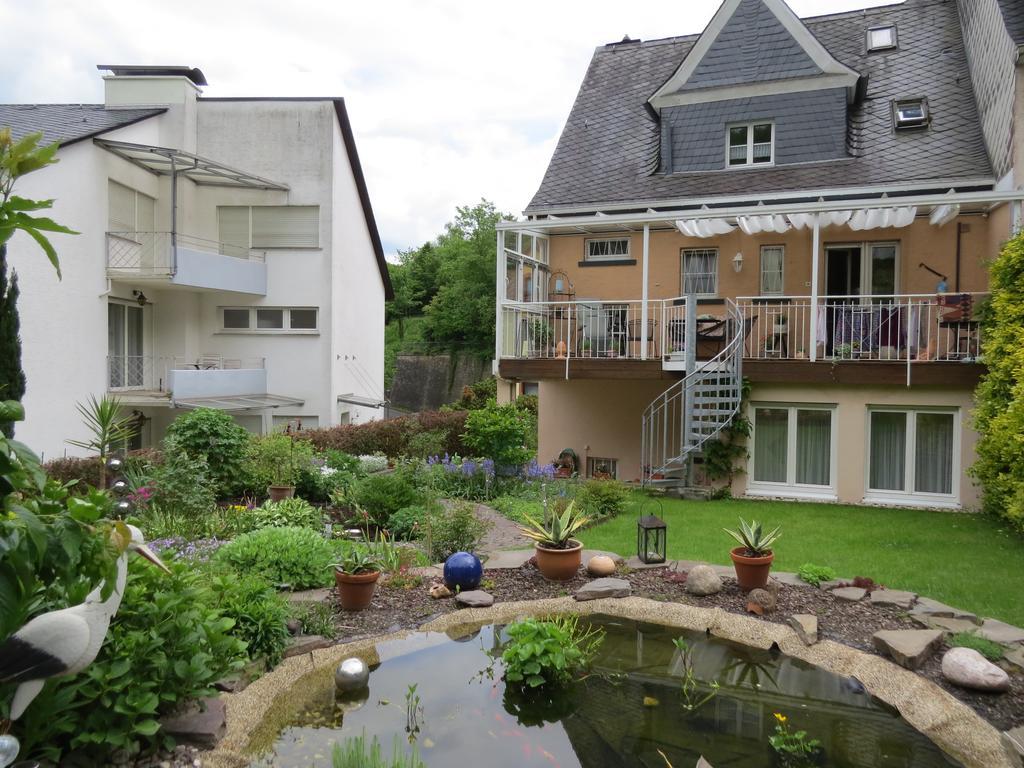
(12, 377)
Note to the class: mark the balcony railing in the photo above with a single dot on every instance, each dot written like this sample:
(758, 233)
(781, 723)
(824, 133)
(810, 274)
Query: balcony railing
(150, 253)
(155, 374)
(589, 329)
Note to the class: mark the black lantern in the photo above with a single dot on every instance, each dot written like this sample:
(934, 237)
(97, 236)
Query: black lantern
(651, 537)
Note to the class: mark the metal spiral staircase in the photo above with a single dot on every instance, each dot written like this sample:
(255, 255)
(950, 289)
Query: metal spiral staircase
(695, 409)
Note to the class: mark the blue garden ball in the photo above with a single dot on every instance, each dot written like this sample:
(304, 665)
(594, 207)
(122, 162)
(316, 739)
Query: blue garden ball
(463, 570)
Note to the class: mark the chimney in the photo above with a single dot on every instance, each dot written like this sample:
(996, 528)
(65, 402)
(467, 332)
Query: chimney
(150, 86)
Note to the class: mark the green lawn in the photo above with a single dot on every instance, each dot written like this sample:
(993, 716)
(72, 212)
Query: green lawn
(968, 561)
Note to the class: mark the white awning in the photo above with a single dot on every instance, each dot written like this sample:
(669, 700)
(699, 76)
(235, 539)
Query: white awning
(238, 402)
(369, 402)
(704, 227)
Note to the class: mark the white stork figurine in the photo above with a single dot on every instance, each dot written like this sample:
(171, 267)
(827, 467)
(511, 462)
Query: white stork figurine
(65, 642)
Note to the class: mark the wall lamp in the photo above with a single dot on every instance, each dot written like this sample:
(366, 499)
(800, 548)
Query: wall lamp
(737, 262)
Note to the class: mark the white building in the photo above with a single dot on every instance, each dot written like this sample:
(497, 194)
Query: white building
(228, 258)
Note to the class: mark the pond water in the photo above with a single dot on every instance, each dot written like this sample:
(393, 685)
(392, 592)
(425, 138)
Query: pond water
(628, 709)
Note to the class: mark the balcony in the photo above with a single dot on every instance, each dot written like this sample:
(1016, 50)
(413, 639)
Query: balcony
(185, 261)
(181, 378)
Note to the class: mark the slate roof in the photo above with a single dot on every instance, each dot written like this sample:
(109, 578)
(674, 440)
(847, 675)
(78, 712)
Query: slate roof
(1013, 17)
(608, 151)
(68, 123)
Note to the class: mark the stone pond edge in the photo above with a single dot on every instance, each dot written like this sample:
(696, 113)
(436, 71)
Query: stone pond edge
(952, 725)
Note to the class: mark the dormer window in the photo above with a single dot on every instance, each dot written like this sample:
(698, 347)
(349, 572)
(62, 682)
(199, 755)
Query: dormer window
(882, 38)
(910, 113)
(751, 144)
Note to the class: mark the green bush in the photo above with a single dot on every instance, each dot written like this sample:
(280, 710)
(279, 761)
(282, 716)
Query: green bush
(216, 437)
(296, 557)
(316, 619)
(999, 416)
(169, 643)
(454, 529)
(987, 648)
(259, 612)
(815, 574)
(602, 498)
(71, 469)
(383, 494)
(275, 460)
(391, 437)
(289, 513)
(407, 523)
(548, 652)
(182, 485)
(502, 433)
(426, 444)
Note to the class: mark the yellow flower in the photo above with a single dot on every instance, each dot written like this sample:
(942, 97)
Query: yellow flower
(780, 717)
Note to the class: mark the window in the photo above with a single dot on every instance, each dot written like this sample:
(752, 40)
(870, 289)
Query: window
(862, 269)
(882, 38)
(700, 271)
(270, 319)
(751, 144)
(606, 250)
(911, 453)
(268, 226)
(601, 468)
(794, 447)
(772, 258)
(126, 361)
(129, 210)
(910, 113)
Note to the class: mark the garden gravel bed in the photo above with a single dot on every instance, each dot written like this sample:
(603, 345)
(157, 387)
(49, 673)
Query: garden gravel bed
(394, 608)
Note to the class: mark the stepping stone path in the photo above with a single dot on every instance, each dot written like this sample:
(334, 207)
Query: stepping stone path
(475, 598)
(702, 580)
(600, 588)
(806, 627)
(893, 597)
(850, 594)
(203, 724)
(908, 647)
(969, 669)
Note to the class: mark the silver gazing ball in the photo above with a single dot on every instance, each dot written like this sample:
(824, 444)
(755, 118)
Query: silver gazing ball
(123, 508)
(115, 464)
(351, 675)
(9, 749)
(120, 488)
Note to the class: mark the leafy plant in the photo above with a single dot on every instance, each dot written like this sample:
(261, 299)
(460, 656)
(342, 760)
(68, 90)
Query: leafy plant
(216, 437)
(555, 532)
(296, 557)
(288, 513)
(793, 747)
(548, 651)
(413, 712)
(110, 430)
(987, 648)
(275, 460)
(753, 539)
(316, 619)
(181, 485)
(602, 498)
(354, 752)
(425, 444)
(815, 574)
(381, 495)
(503, 433)
(376, 462)
(689, 687)
(357, 559)
(259, 613)
(408, 523)
(453, 529)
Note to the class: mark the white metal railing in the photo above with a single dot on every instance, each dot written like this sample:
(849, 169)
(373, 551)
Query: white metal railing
(907, 327)
(576, 329)
(150, 253)
(215, 362)
(149, 372)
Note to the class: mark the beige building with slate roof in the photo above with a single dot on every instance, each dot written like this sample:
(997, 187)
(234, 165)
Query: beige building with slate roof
(806, 205)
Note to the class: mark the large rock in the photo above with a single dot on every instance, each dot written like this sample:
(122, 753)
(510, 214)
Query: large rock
(306, 644)
(893, 597)
(908, 647)
(702, 580)
(969, 669)
(475, 598)
(1001, 632)
(599, 588)
(202, 724)
(806, 627)
(850, 594)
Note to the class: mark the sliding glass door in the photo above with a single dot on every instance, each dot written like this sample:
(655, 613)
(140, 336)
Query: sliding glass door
(913, 453)
(126, 367)
(793, 449)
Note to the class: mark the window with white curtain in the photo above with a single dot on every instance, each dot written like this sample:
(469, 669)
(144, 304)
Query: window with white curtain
(129, 210)
(772, 258)
(700, 271)
(913, 453)
(793, 448)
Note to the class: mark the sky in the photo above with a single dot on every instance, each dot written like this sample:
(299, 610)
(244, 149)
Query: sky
(450, 101)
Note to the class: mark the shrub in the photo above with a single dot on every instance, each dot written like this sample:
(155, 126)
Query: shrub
(407, 523)
(289, 513)
(296, 557)
(391, 437)
(71, 469)
(316, 619)
(182, 485)
(381, 495)
(169, 643)
(602, 498)
(216, 437)
(815, 574)
(548, 652)
(454, 529)
(260, 614)
(502, 433)
(275, 460)
(377, 462)
(528, 403)
(477, 394)
(426, 444)
(990, 650)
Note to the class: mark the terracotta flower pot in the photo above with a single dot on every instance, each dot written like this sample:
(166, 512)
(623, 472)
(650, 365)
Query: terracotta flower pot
(355, 590)
(751, 572)
(559, 564)
(280, 492)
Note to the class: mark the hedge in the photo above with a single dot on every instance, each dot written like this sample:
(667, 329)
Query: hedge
(392, 437)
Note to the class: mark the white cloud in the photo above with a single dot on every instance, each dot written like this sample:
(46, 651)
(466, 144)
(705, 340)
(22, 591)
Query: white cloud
(450, 100)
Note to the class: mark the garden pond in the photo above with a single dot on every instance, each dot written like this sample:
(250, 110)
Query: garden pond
(630, 707)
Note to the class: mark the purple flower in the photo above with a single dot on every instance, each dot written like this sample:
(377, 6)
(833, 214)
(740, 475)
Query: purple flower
(468, 468)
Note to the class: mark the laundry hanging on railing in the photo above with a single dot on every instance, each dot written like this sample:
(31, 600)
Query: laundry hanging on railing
(704, 227)
(755, 225)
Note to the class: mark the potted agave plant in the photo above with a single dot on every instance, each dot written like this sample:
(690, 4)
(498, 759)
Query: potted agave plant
(558, 554)
(356, 578)
(753, 558)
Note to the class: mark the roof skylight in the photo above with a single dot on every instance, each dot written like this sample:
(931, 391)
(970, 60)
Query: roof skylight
(882, 38)
(910, 113)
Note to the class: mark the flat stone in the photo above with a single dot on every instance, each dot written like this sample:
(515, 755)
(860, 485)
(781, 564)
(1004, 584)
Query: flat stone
(850, 594)
(789, 579)
(929, 607)
(701, 580)
(1013, 744)
(947, 624)
(969, 669)
(806, 627)
(475, 598)
(306, 644)
(893, 597)
(202, 724)
(508, 558)
(637, 564)
(830, 583)
(1015, 656)
(1001, 632)
(908, 647)
(607, 587)
(600, 565)
(309, 595)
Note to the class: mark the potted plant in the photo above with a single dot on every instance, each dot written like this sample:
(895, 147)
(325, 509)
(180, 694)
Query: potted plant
(356, 578)
(540, 337)
(558, 554)
(753, 558)
(282, 470)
